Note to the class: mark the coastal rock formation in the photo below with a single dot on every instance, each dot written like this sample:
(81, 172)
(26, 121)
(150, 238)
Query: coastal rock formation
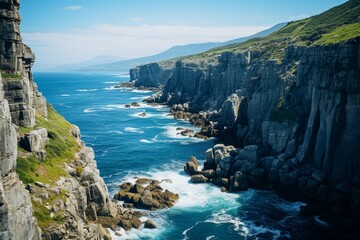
(16, 217)
(291, 109)
(73, 201)
(152, 75)
(146, 194)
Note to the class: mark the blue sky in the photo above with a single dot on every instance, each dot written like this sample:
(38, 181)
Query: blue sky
(69, 31)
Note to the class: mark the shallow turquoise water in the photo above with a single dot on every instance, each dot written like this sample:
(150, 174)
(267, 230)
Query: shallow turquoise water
(127, 145)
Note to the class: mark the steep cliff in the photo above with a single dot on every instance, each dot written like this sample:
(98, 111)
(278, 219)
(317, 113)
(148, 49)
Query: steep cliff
(294, 94)
(151, 75)
(63, 194)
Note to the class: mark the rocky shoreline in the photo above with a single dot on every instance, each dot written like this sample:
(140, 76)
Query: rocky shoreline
(239, 169)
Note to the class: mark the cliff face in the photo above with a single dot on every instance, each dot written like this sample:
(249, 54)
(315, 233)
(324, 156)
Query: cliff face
(302, 111)
(16, 217)
(312, 97)
(64, 190)
(152, 75)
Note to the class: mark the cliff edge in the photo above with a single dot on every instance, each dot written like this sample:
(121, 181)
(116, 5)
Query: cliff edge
(50, 187)
(290, 102)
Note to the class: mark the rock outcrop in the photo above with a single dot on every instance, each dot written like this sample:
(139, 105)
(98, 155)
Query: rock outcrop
(146, 194)
(152, 75)
(17, 221)
(300, 113)
(74, 203)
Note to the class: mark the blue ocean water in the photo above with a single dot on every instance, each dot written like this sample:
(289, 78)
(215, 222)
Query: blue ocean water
(127, 146)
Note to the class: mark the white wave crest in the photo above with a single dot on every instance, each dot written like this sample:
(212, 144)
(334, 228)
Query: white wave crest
(89, 110)
(133, 130)
(87, 90)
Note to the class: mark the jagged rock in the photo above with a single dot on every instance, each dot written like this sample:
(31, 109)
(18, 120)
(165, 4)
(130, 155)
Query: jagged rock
(218, 156)
(143, 181)
(135, 222)
(208, 173)
(35, 141)
(125, 224)
(210, 159)
(75, 131)
(137, 188)
(220, 147)
(127, 186)
(150, 197)
(150, 75)
(135, 104)
(223, 168)
(199, 178)
(149, 224)
(143, 114)
(238, 182)
(191, 166)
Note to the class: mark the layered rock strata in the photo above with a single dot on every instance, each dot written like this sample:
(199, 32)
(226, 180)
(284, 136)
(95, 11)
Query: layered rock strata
(152, 75)
(74, 206)
(300, 111)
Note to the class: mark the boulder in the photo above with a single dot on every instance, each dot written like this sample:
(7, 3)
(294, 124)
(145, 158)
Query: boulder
(143, 181)
(149, 197)
(125, 224)
(191, 167)
(220, 147)
(238, 182)
(137, 188)
(35, 141)
(149, 224)
(199, 178)
(209, 173)
(218, 156)
(210, 158)
(135, 222)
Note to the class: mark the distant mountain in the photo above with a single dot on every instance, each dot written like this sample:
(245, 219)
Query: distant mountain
(173, 52)
(87, 63)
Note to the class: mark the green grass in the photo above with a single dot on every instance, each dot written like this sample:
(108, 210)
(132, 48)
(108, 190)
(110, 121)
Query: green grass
(340, 34)
(61, 149)
(7, 76)
(338, 24)
(42, 214)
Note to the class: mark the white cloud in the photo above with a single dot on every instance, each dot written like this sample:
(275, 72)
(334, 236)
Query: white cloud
(73, 8)
(299, 17)
(57, 48)
(136, 19)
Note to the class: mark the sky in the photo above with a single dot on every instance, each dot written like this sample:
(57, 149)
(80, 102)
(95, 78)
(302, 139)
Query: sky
(71, 31)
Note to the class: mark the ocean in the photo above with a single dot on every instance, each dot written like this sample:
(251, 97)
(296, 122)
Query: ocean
(127, 145)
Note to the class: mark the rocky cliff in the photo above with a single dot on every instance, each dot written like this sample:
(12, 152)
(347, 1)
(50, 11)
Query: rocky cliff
(152, 75)
(293, 98)
(63, 194)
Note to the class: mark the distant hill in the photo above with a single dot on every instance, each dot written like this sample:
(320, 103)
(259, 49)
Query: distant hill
(173, 52)
(94, 61)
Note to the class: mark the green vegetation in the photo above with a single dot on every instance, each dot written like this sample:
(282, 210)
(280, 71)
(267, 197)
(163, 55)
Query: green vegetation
(42, 213)
(340, 34)
(79, 171)
(61, 149)
(7, 76)
(338, 24)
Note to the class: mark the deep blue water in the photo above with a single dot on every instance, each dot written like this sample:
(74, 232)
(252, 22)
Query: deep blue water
(127, 145)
